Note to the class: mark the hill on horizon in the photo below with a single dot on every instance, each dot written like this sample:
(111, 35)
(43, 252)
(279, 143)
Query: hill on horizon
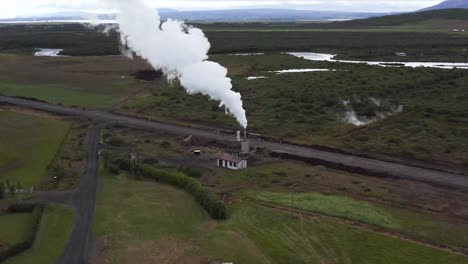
(444, 18)
(448, 4)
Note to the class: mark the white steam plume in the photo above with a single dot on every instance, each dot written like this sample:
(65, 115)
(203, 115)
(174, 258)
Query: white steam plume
(179, 50)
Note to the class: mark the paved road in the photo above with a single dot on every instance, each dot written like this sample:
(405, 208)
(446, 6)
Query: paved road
(80, 244)
(359, 164)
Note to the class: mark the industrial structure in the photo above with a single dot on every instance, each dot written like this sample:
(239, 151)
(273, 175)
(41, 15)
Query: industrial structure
(238, 162)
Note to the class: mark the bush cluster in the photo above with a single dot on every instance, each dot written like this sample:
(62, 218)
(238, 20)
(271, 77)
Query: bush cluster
(14, 250)
(206, 198)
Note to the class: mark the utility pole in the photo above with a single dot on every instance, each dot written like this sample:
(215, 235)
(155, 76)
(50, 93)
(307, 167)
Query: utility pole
(292, 197)
(133, 163)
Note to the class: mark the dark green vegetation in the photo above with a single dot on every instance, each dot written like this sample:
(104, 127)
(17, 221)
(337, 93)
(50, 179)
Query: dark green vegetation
(157, 223)
(308, 107)
(77, 39)
(25, 156)
(305, 108)
(207, 199)
(70, 159)
(54, 230)
(421, 45)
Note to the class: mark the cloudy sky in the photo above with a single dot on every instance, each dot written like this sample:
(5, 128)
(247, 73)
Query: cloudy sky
(13, 8)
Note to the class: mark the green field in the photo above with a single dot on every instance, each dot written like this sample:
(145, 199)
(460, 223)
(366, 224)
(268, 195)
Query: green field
(28, 144)
(54, 231)
(429, 228)
(157, 223)
(14, 229)
(97, 82)
(63, 95)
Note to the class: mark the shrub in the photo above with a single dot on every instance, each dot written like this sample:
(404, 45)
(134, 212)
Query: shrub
(2, 191)
(280, 173)
(14, 250)
(165, 144)
(21, 208)
(116, 141)
(192, 172)
(206, 198)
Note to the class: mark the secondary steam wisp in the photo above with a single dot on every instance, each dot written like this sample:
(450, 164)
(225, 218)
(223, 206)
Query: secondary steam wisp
(180, 51)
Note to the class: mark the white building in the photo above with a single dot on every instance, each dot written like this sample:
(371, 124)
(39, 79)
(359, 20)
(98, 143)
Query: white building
(231, 162)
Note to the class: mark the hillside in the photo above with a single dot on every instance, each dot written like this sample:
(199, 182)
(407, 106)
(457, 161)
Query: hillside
(455, 16)
(449, 4)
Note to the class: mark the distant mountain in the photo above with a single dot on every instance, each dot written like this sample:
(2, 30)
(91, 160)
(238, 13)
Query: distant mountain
(450, 16)
(266, 15)
(449, 4)
(216, 15)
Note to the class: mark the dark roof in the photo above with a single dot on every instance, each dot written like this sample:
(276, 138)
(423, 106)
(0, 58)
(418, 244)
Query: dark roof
(230, 158)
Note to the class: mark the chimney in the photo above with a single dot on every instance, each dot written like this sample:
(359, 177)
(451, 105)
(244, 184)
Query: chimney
(239, 136)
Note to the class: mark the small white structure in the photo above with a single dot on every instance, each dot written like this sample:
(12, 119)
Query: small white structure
(401, 54)
(231, 162)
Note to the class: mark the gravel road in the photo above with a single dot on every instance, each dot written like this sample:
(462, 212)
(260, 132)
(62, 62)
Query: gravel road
(80, 244)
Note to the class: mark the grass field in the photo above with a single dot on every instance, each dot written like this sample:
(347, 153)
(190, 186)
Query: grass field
(86, 81)
(54, 231)
(157, 223)
(14, 229)
(429, 228)
(28, 144)
(62, 95)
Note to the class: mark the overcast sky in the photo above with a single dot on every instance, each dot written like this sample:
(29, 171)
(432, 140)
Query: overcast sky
(13, 8)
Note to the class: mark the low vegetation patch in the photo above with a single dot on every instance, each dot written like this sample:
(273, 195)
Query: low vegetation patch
(206, 198)
(339, 206)
(430, 228)
(52, 235)
(20, 228)
(158, 223)
(28, 144)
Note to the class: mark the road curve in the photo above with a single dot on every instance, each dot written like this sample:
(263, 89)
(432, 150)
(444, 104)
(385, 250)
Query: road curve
(80, 243)
(336, 160)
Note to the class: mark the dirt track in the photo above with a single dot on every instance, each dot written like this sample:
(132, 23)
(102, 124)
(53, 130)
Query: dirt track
(340, 161)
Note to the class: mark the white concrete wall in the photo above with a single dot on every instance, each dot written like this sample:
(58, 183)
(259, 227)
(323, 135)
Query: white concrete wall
(232, 165)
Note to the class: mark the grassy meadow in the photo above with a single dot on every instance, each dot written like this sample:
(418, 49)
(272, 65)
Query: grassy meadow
(158, 223)
(28, 144)
(429, 228)
(97, 82)
(14, 229)
(54, 232)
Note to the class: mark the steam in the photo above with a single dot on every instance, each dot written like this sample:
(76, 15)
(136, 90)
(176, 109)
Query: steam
(180, 51)
(352, 118)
